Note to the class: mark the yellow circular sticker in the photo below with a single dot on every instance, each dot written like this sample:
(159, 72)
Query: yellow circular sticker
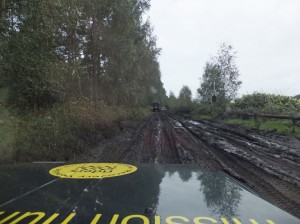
(92, 170)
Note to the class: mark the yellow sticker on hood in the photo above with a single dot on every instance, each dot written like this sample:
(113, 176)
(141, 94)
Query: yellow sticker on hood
(92, 170)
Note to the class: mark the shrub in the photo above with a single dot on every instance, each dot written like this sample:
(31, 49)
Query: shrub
(69, 129)
(267, 103)
(49, 136)
(63, 131)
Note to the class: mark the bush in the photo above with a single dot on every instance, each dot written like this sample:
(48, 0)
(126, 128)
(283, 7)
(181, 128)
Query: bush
(210, 109)
(49, 136)
(267, 103)
(134, 113)
(63, 131)
(69, 129)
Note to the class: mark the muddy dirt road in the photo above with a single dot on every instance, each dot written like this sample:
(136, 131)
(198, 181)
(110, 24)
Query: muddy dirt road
(266, 162)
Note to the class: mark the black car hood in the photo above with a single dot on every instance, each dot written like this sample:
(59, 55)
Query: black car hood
(153, 194)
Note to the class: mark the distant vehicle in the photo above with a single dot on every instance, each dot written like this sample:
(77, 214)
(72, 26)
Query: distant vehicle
(163, 108)
(156, 107)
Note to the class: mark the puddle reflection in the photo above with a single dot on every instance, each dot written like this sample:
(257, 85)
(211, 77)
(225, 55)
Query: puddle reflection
(191, 187)
(154, 192)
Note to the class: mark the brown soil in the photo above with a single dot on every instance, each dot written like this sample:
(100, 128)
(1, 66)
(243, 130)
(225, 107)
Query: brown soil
(266, 162)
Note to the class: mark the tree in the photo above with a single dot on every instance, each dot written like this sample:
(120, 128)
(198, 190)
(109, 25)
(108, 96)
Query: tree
(172, 100)
(211, 80)
(185, 96)
(53, 50)
(29, 58)
(297, 96)
(220, 76)
(222, 197)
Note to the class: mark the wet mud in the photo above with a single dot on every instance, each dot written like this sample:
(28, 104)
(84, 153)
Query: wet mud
(268, 163)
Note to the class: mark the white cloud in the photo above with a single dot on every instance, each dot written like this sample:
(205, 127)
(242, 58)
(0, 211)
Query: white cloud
(265, 33)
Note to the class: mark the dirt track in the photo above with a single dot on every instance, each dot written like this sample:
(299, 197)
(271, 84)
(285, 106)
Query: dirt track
(267, 162)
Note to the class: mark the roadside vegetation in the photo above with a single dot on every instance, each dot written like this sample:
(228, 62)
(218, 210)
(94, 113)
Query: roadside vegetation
(262, 103)
(270, 125)
(7, 128)
(70, 72)
(65, 131)
(217, 99)
(252, 104)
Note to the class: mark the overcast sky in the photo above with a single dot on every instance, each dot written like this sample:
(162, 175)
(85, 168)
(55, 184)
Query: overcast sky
(265, 33)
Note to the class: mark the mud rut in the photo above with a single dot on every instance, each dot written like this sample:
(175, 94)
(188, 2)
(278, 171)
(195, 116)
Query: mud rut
(268, 163)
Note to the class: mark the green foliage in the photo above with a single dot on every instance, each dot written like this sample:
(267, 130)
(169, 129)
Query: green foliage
(50, 136)
(196, 116)
(185, 97)
(203, 108)
(280, 126)
(183, 104)
(171, 101)
(220, 77)
(245, 122)
(136, 113)
(207, 109)
(8, 124)
(29, 58)
(99, 49)
(268, 103)
(297, 96)
(211, 80)
(72, 69)
(64, 131)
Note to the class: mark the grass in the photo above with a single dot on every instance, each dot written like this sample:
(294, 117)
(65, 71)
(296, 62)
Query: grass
(60, 132)
(7, 128)
(236, 121)
(202, 117)
(280, 126)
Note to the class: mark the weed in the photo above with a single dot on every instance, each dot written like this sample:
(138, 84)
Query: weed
(280, 126)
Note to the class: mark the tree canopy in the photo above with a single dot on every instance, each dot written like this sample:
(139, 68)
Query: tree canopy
(185, 96)
(53, 50)
(220, 76)
(297, 96)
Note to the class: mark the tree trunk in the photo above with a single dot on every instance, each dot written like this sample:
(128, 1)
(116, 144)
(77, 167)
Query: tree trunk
(79, 84)
(91, 87)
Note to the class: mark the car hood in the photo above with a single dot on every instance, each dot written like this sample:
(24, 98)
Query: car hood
(154, 193)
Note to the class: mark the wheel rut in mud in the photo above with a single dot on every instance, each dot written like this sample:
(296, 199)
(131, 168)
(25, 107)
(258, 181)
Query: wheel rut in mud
(266, 162)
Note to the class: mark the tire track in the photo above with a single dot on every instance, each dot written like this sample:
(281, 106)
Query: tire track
(267, 163)
(245, 163)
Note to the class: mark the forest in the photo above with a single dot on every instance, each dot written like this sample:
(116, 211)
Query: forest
(52, 51)
(70, 70)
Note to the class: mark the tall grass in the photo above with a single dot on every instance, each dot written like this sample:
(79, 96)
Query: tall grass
(64, 131)
(7, 128)
(274, 125)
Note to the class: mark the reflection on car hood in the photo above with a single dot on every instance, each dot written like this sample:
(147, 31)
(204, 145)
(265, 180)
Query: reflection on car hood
(153, 194)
